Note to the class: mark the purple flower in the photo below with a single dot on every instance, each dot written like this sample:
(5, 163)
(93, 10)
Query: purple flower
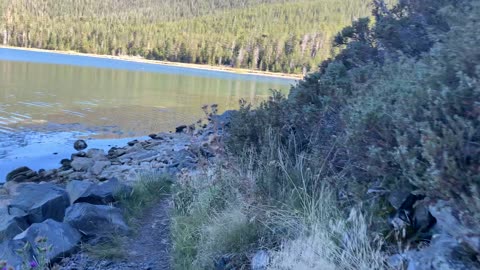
(33, 264)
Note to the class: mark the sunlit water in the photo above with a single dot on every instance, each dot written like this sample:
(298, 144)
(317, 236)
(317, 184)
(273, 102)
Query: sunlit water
(49, 100)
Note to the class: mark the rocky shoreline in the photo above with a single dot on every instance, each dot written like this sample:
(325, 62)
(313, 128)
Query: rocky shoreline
(46, 215)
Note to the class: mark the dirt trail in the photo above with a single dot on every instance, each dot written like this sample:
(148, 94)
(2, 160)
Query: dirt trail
(152, 244)
(148, 249)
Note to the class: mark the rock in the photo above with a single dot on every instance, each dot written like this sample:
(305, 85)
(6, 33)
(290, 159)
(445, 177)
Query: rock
(10, 225)
(116, 152)
(153, 136)
(22, 174)
(224, 118)
(422, 219)
(103, 193)
(47, 175)
(82, 163)
(78, 154)
(62, 239)
(66, 164)
(132, 143)
(96, 221)
(260, 260)
(80, 145)
(98, 167)
(397, 197)
(8, 253)
(97, 154)
(38, 202)
(396, 261)
(184, 159)
(77, 176)
(447, 222)
(76, 189)
(180, 129)
(443, 253)
(65, 173)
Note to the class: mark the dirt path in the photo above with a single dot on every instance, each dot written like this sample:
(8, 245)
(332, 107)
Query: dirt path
(152, 244)
(148, 249)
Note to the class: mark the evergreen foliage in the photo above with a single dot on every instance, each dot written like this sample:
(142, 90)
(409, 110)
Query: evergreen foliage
(289, 36)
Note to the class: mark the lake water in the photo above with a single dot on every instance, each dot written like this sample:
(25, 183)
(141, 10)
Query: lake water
(48, 100)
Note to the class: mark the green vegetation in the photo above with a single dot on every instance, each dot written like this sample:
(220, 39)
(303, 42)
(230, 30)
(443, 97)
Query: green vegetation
(289, 36)
(397, 107)
(150, 188)
(111, 249)
(222, 217)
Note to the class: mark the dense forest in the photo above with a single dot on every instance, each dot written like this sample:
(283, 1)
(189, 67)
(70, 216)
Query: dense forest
(289, 36)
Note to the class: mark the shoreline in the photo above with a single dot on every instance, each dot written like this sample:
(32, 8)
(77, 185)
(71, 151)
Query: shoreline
(166, 63)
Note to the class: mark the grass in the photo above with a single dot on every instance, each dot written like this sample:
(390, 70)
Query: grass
(234, 209)
(150, 188)
(111, 249)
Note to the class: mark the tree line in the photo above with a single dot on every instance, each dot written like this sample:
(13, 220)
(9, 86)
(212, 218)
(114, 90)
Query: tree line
(288, 36)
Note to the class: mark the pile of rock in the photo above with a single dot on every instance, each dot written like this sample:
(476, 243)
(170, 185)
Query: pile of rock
(450, 245)
(165, 153)
(60, 208)
(45, 215)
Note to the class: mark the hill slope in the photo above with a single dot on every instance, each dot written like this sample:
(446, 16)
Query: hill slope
(275, 35)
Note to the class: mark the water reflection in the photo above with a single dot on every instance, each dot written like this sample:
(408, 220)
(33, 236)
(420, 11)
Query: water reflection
(134, 102)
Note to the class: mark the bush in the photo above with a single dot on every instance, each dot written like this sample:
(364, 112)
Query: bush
(398, 107)
(385, 113)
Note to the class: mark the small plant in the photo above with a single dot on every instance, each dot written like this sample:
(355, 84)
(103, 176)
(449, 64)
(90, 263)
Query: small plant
(32, 257)
(148, 189)
(110, 249)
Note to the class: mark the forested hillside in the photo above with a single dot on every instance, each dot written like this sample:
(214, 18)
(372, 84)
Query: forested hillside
(273, 35)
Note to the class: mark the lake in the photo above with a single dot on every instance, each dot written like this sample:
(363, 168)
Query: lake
(48, 100)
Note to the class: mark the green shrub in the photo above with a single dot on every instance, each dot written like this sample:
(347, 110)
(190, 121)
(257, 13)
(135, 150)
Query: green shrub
(385, 113)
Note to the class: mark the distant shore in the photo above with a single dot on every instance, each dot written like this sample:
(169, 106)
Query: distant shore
(139, 59)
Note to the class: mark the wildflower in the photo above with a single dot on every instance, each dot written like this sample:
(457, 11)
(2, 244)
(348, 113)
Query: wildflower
(33, 264)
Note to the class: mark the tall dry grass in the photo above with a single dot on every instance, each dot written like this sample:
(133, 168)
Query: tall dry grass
(268, 201)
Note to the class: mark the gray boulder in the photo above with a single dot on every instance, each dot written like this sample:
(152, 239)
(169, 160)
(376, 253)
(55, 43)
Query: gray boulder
(180, 129)
(22, 174)
(8, 253)
(96, 221)
(77, 189)
(447, 222)
(82, 163)
(97, 154)
(397, 197)
(443, 253)
(224, 118)
(99, 165)
(80, 145)
(60, 238)
(103, 193)
(38, 202)
(10, 225)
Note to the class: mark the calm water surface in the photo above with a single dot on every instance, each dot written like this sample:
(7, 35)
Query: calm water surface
(48, 100)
